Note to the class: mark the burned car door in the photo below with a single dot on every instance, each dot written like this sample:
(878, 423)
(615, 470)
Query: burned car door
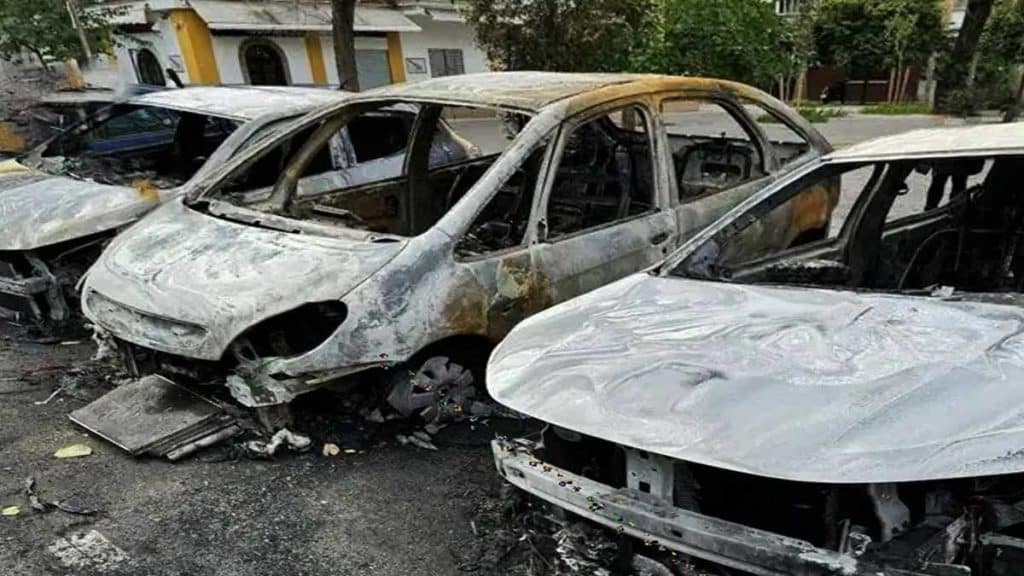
(606, 210)
(495, 251)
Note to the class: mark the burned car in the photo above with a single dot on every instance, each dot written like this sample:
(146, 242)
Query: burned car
(61, 202)
(279, 281)
(848, 405)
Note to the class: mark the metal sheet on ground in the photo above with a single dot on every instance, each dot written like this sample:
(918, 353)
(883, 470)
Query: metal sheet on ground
(148, 412)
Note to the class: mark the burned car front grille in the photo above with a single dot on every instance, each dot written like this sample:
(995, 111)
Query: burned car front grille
(763, 525)
(142, 327)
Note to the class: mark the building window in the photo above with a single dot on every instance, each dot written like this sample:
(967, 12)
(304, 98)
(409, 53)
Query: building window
(373, 68)
(148, 69)
(446, 62)
(791, 7)
(264, 63)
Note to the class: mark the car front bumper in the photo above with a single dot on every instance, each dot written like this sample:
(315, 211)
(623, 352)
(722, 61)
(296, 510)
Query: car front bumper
(642, 516)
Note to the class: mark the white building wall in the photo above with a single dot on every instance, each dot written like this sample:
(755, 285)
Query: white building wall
(164, 44)
(442, 35)
(229, 61)
(162, 41)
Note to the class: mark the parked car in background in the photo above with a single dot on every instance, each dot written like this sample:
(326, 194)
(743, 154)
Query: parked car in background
(847, 405)
(278, 281)
(61, 202)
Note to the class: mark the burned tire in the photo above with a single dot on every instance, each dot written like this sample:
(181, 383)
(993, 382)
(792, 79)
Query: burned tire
(437, 390)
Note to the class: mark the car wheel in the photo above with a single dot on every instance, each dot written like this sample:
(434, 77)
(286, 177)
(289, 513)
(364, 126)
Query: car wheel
(438, 390)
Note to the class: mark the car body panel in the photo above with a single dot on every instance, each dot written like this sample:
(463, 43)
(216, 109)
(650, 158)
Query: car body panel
(799, 384)
(41, 210)
(226, 276)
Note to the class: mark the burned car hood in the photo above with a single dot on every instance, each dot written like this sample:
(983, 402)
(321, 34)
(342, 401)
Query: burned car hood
(793, 383)
(184, 282)
(39, 209)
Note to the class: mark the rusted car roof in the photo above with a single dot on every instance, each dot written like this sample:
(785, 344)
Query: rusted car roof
(242, 103)
(978, 140)
(533, 91)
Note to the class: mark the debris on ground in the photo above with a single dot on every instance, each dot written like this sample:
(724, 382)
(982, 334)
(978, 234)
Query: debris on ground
(418, 439)
(73, 451)
(88, 551)
(155, 416)
(69, 506)
(10, 511)
(331, 449)
(283, 437)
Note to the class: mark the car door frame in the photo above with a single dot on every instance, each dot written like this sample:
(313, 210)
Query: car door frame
(694, 214)
(661, 239)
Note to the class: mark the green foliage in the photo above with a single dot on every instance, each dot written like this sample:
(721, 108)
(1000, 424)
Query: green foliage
(1000, 51)
(43, 28)
(897, 109)
(813, 114)
(742, 40)
(870, 37)
(563, 35)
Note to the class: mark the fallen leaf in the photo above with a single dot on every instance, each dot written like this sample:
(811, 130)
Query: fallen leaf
(331, 449)
(10, 511)
(11, 167)
(73, 451)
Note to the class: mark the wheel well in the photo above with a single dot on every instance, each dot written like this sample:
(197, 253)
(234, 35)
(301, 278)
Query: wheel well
(472, 351)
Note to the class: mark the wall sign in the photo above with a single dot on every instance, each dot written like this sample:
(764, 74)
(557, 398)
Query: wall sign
(416, 66)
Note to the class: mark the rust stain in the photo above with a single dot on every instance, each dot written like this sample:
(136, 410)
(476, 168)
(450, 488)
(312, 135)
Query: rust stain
(523, 290)
(466, 311)
(811, 210)
(147, 191)
(10, 140)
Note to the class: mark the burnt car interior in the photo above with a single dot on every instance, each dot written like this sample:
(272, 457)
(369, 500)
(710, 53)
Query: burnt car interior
(386, 177)
(389, 170)
(711, 149)
(606, 174)
(130, 143)
(916, 225)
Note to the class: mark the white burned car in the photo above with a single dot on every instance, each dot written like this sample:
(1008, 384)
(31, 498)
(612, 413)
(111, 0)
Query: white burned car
(278, 274)
(61, 202)
(851, 405)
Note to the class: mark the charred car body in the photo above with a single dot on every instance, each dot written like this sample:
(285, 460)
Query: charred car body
(846, 405)
(60, 203)
(284, 284)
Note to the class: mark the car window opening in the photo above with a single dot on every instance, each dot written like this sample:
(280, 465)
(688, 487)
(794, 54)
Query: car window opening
(907, 226)
(711, 150)
(393, 170)
(606, 174)
(130, 145)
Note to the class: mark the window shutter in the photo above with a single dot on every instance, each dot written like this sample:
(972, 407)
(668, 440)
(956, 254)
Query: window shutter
(437, 67)
(454, 63)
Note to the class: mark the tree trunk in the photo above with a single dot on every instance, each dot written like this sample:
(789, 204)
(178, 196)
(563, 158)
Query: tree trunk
(954, 73)
(801, 85)
(39, 56)
(894, 77)
(902, 96)
(1013, 112)
(343, 17)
